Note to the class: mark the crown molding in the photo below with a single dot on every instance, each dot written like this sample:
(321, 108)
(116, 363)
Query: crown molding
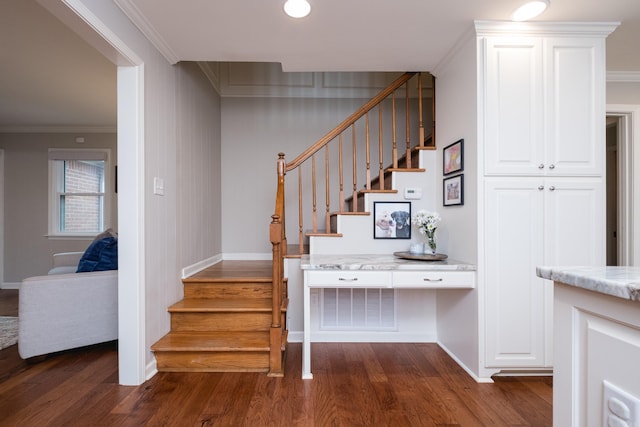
(58, 129)
(537, 28)
(623, 76)
(139, 20)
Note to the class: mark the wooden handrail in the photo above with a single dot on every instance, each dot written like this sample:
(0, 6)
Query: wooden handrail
(349, 121)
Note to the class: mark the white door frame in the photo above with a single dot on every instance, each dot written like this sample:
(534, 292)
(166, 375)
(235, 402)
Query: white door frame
(131, 260)
(629, 180)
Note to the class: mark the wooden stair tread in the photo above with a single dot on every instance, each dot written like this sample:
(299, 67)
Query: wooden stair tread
(213, 341)
(318, 234)
(350, 213)
(406, 170)
(229, 271)
(374, 191)
(212, 305)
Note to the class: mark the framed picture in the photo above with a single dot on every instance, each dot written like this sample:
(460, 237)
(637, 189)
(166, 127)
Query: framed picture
(392, 220)
(453, 190)
(453, 158)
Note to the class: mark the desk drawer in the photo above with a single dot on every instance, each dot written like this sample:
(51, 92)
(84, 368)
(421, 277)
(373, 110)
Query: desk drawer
(434, 279)
(349, 279)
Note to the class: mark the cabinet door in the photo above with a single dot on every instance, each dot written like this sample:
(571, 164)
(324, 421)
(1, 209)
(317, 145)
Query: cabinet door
(574, 106)
(514, 295)
(513, 106)
(575, 222)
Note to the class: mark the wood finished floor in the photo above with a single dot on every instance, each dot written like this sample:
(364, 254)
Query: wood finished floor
(353, 385)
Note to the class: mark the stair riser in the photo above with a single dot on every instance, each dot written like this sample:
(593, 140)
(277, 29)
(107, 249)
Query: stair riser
(227, 290)
(218, 322)
(234, 361)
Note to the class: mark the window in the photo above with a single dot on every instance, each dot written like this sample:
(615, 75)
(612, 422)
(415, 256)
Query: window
(78, 188)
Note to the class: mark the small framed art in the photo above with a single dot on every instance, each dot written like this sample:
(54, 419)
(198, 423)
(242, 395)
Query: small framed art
(392, 220)
(453, 191)
(453, 158)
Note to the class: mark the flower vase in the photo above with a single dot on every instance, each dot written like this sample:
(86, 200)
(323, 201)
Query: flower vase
(430, 245)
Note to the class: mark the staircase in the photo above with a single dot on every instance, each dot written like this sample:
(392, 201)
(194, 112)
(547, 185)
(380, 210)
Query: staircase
(224, 322)
(233, 315)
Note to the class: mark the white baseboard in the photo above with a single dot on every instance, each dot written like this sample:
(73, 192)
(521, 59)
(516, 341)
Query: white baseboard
(242, 256)
(151, 369)
(473, 375)
(192, 269)
(10, 285)
(370, 336)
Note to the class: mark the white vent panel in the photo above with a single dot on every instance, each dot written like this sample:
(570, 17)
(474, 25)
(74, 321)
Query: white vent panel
(358, 309)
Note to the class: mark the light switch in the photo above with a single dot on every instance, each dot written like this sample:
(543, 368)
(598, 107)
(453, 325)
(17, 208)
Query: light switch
(158, 186)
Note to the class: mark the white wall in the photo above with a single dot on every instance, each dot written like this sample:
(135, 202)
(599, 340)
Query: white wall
(456, 100)
(27, 250)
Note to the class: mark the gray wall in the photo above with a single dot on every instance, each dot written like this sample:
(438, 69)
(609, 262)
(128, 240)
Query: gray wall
(27, 249)
(623, 93)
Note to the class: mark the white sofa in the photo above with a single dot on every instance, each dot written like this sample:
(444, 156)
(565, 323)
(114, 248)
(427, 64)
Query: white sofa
(65, 310)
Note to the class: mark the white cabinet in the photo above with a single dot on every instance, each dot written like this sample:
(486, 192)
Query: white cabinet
(531, 222)
(542, 98)
(541, 172)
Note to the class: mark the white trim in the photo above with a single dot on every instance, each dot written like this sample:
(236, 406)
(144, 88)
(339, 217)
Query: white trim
(126, 56)
(629, 178)
(192, 269)
(541, 28)
(56, 176)
(152, 368)
(372, 336)
(486, 380)
(247, 256)
(10, 285)
(132, 349)
(141, 22)
(623, 76)
(58, 129)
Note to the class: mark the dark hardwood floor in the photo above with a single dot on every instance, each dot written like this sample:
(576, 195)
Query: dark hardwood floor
(353, 385)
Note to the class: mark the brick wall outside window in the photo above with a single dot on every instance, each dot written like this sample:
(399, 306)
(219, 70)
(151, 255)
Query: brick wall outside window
(83, 213)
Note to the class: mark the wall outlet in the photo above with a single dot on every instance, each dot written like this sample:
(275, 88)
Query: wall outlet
(619, 408)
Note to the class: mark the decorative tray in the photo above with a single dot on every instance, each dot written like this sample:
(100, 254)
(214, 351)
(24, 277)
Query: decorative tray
(420, 257)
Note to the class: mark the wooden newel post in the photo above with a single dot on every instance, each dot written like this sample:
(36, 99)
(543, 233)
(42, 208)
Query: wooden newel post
(276, 243)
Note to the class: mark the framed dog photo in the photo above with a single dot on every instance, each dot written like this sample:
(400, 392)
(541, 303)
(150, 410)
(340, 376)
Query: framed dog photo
(453, 158)
(392, 220)
(453, 191)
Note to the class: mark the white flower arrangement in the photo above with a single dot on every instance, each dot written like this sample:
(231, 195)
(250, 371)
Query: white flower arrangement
(427, 222)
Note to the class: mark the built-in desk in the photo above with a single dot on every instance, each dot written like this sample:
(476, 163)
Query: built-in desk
(375, 271)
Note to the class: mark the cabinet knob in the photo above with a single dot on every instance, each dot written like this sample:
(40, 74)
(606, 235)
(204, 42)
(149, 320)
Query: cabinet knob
(541, 166)
(540, 187)
(552, 188)
(552, 166)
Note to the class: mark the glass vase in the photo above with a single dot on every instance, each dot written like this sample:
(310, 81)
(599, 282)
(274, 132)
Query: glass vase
(430, 245)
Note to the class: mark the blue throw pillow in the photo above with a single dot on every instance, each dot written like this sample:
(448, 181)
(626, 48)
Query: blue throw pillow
(101, 255)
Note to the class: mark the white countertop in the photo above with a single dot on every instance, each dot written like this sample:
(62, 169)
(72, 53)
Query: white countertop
(621, 282)
(378, 262)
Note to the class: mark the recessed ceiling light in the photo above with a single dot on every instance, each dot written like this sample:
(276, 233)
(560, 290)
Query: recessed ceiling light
(297, 8)
(529, 10)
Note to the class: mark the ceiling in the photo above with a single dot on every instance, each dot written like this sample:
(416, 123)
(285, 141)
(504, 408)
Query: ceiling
(51, 79)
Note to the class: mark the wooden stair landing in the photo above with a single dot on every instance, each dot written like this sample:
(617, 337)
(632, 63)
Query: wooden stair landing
(223, 323)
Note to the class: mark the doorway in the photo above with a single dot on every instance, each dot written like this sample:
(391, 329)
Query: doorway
(622, 210)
